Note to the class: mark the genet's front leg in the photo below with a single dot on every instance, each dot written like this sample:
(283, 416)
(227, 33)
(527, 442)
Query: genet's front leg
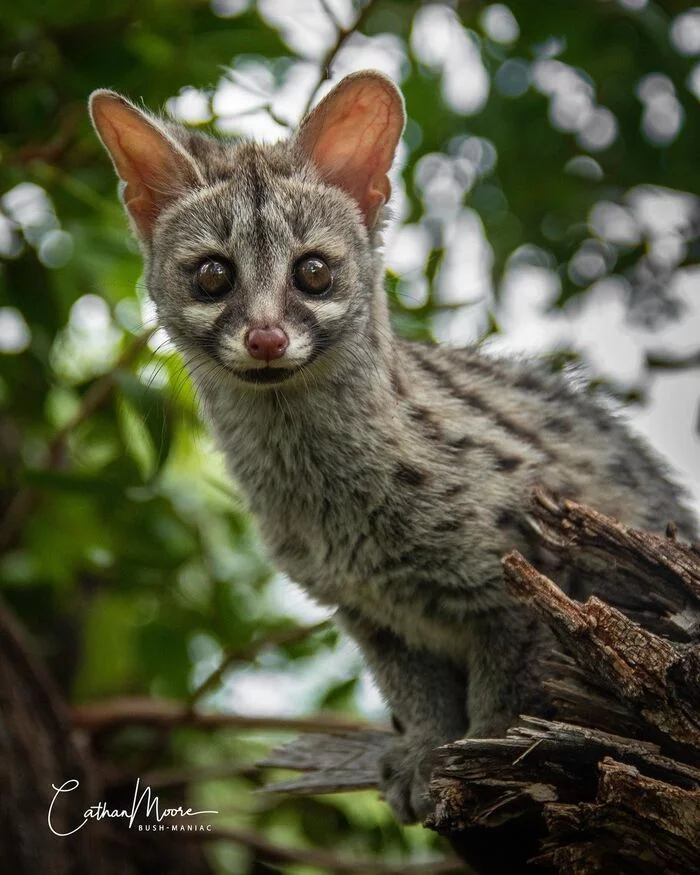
(427, 697)
(506, 651)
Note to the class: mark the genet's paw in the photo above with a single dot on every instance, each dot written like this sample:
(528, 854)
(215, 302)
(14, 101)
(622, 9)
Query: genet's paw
(402, 782)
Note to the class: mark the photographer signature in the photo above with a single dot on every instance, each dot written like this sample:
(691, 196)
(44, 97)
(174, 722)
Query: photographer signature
(143, 800)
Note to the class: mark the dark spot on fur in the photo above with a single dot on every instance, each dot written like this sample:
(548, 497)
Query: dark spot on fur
(409, 475)
(450, 525)
(419, 414)
(506, 519)
(604, 425)
(327, 505)
(430, 426)
(623, 473)
(558, 424)
(397, 385)
(454, 490)
(508, 463)
(461, 443)
(529, 381)
(397, 724)
(473, 400)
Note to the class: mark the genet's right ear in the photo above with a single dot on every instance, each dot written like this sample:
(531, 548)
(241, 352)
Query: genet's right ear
(155, 168)
(352, 135)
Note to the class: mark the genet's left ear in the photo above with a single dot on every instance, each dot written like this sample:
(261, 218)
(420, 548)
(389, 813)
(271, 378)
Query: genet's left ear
(351, 137)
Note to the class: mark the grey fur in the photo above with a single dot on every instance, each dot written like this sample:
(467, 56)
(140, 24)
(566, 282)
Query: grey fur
(386, 478)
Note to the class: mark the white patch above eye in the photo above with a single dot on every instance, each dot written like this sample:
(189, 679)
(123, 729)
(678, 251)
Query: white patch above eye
(199, 317)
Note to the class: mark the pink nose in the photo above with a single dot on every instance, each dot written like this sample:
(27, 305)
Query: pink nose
(266, 343)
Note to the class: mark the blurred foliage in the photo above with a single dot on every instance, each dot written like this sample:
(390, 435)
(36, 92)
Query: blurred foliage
(124, 547)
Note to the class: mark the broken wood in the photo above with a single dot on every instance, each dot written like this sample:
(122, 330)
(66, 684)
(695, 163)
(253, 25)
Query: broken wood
(613, 786)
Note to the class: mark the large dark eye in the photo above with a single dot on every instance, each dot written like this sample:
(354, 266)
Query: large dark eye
(312, 275)
(213, 280)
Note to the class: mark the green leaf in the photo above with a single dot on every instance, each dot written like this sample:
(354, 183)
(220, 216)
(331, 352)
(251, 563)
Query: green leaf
(150, 408)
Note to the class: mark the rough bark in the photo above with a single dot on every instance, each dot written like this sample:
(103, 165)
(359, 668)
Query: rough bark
(613, 786)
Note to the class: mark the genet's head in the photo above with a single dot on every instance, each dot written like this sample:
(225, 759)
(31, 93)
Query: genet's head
(260, 259)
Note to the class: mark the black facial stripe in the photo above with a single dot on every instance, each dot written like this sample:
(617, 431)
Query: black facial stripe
(259, 193)
(261, 235)
(322, 336)
(297, 311)
(225, 224)
(324, 339)
(232, 315)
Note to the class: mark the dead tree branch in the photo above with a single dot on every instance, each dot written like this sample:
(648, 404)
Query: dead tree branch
(250, 651)
(112, 714)
(342, 36)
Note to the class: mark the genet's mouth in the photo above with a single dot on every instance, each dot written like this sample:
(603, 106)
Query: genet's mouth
(265, 376)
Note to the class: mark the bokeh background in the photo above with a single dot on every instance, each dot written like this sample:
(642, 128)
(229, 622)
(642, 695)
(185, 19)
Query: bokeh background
(546, 201)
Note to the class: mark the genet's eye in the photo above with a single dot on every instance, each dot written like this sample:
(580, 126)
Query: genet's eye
(312, 275)
(213, 279)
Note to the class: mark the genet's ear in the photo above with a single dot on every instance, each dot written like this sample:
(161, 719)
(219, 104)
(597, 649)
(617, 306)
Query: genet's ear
(155, 168)
(351, 137)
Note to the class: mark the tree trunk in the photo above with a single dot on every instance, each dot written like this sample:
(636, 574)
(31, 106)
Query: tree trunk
(40, 751)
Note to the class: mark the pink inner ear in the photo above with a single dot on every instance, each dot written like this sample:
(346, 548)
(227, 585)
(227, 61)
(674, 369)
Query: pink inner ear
(153, 168)
(135, 167)
(352, 154)
(351, 138)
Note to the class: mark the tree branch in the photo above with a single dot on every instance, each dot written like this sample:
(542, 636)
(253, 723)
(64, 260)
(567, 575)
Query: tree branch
(250, 651)
(132, 711)
(664, 361)
(344, 33)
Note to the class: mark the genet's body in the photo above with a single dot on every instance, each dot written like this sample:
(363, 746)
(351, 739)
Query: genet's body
(387, 478)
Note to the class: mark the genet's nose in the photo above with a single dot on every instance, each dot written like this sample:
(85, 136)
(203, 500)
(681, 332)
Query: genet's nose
(266, 343)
